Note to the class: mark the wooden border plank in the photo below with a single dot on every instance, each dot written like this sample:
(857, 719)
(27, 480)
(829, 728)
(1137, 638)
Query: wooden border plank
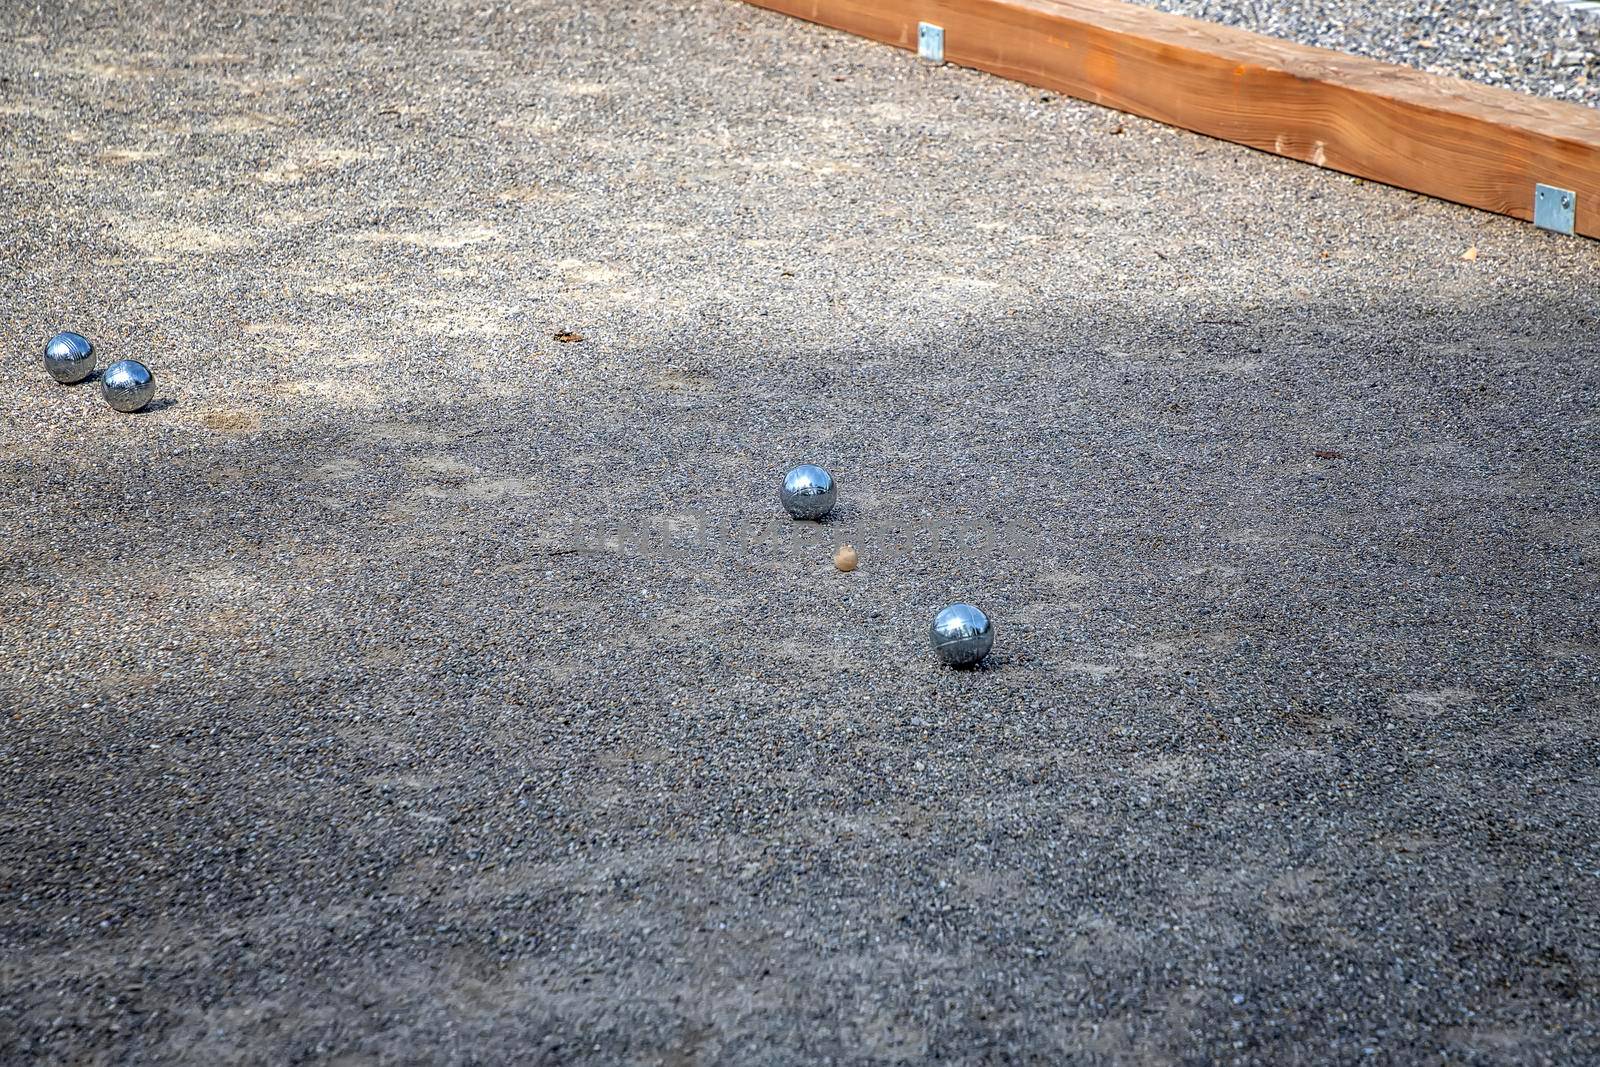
(1453, 139)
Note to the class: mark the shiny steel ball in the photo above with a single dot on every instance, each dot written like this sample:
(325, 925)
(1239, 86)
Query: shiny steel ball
(127, 385)
(69, 357)
(961, 635)
(807, 492)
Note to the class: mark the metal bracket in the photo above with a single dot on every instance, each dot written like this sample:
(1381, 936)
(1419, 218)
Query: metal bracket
(1554, 209)
(930, 42)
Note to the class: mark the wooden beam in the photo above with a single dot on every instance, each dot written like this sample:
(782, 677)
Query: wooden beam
(1445, 137)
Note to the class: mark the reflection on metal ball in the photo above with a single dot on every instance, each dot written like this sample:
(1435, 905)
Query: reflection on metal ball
(961, 635)
(69, 357)
(807, 492)
(127, 385)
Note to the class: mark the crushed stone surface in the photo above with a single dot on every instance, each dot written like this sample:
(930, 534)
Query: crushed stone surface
(407, 683)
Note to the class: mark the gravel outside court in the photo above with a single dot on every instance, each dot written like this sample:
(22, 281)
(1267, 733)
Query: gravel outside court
(1533, 46)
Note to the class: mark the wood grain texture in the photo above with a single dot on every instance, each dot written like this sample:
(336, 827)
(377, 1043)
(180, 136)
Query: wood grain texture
(1445, 137)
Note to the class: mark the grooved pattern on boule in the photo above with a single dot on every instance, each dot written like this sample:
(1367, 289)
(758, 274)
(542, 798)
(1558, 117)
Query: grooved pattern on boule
(127, 385)
(69, 357)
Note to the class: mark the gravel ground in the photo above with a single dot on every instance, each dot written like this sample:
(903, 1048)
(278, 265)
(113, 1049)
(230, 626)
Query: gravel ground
(408, 685)
(1531, 45)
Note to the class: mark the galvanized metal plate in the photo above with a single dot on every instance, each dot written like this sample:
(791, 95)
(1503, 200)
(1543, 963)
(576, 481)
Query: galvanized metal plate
(930, 42)
(1554, 209)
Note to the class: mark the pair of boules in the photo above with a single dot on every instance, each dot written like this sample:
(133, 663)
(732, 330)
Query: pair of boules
(961, 634)
(127, 385)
